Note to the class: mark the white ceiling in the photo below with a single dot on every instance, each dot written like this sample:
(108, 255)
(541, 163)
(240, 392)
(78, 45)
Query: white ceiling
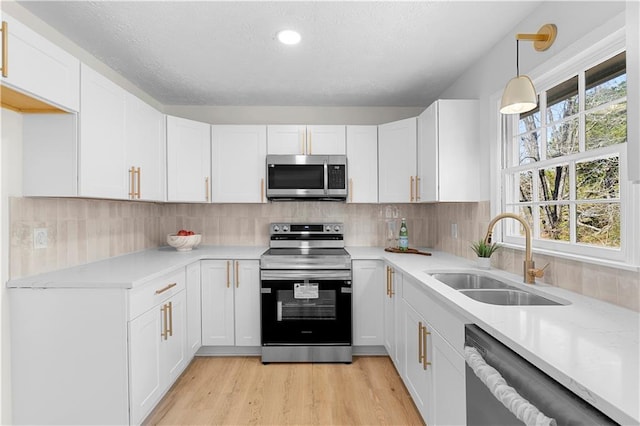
(353, 53)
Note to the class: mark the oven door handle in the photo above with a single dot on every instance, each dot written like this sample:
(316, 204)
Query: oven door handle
(296, 275)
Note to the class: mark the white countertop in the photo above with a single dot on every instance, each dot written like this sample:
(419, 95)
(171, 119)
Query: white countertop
(590, 346)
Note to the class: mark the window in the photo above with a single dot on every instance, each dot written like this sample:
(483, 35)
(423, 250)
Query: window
(563, 163)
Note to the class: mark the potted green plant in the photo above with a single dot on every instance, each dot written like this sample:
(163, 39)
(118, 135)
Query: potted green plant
(484, 251)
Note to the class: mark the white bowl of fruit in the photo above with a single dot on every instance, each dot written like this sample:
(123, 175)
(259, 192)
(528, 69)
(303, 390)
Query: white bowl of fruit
(184, 240)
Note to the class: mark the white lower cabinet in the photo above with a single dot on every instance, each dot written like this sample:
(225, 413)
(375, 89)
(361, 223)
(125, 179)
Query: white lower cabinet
(157, 343)
(421, 337)
(367, 303)
(230, 302)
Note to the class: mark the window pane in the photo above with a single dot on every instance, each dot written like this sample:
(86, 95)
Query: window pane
(598, 224)
(529, 147)
(529, 121)
(562, 138)
(526, 186)
(562, 100)
(606, 81)
(606, 126)
(598, 179)
(515, 228)
(554, 222)
(554, 183)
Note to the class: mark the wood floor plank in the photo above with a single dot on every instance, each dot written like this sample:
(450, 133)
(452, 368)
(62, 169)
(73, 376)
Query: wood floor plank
(243, 391)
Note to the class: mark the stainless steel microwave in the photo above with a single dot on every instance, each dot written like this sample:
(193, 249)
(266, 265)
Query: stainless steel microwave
(322, 177)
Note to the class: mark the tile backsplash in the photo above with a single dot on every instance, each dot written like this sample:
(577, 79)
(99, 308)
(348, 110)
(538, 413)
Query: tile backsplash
(85, 230)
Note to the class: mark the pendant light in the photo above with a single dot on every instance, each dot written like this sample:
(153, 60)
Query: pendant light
(520, 95)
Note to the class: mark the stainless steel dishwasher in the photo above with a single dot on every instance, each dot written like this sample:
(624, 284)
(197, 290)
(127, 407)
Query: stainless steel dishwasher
(558, 404)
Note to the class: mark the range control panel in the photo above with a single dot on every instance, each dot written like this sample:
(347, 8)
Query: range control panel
(306, 228)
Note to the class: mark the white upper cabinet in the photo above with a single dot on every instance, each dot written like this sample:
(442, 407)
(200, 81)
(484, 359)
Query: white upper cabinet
(238, 155)
(37, 67)
(188, 160)
(145, 150)
(362, 157)
(397, 161)
(448, 152)
(102, 169)
(306, 140)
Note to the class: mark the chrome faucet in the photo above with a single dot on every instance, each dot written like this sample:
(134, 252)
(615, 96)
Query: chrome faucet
(530, 272)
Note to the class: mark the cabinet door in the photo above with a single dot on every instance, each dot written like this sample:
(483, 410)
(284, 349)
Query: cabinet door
(247, 302)
(238, 163)
(174, 349)
(40, 68)
(326, 140)
(145, 149)
(194, 309)
(146, 382)
(397, 161)
(368, 303)
(286, 139)
(448, 405)
(217, 303)
(103, 173)
(428, 153)
(188, 160)
(362, 157)
(417, 375)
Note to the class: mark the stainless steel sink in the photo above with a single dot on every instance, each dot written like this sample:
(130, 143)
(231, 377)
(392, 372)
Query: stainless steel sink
(464, 281)
(490, 290)
(507, 297)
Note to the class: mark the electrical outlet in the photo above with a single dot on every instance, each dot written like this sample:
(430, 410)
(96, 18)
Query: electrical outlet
(454, 230)
(40, 238)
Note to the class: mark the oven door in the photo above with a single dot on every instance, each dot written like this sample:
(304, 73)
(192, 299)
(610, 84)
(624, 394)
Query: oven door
(307, 310)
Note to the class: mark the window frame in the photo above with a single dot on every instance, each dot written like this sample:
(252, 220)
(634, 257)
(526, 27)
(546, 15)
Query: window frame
(549, 74)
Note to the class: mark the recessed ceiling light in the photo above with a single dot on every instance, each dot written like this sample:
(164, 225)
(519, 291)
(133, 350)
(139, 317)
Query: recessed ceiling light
(289, 37)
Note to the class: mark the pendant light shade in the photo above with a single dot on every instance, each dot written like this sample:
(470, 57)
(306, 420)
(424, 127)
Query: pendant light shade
(519, 96)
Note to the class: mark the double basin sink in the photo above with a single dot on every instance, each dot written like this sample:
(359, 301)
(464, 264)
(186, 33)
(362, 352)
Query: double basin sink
(490, 290)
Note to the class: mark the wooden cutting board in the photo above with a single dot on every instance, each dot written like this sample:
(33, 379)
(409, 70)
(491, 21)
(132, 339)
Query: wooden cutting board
(409, 250)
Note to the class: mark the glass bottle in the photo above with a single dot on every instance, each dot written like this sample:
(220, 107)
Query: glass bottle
(403, 241)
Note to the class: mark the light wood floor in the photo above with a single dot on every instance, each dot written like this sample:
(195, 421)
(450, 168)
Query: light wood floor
(242, 391)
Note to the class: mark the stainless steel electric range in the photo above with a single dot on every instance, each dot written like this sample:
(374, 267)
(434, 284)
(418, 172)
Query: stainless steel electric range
(306, 294)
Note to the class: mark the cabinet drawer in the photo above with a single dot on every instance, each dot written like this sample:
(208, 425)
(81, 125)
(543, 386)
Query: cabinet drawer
(449, 324)
(155, 292)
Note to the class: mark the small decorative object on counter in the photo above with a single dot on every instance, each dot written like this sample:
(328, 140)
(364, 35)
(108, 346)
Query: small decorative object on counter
(184, 240)
(403, 241)
(484, 251)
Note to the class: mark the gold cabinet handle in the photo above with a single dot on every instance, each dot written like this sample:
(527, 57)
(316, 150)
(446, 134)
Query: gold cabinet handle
(139, 173)
(417, 188)
(411, 186)
(350, 190)
(5, 49)
(163, 334)
(170, 308)
(237, 274)
(391, 274)
(168, 287)
(228, 274)
(262, 190)
(420, 335)
(302, 142)
(425, 333)
(387, 281)
(132, 189)
(206, 188)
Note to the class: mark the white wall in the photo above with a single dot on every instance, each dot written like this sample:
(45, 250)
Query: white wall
(292, 114)
(10, 186)
(580, 24)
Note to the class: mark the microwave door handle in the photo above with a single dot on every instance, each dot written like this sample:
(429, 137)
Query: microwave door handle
(326, 178)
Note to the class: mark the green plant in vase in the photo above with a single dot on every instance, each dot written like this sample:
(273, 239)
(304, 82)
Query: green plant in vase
(484, 251)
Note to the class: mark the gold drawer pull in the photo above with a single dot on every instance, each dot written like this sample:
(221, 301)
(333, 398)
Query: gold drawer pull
(168, 287)
(164, 334)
